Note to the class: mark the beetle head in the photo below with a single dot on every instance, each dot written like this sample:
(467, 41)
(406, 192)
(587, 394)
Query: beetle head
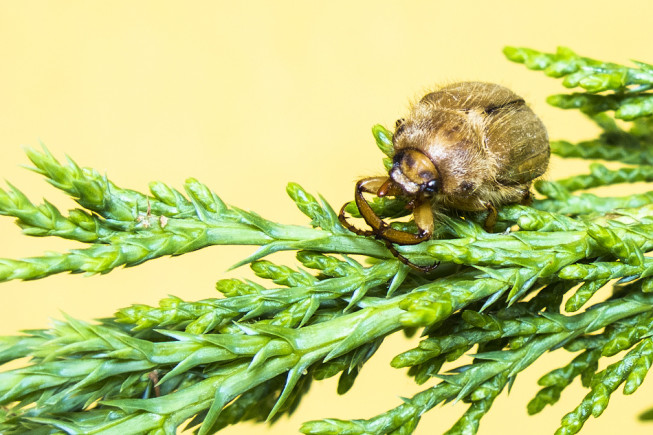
(416, 175)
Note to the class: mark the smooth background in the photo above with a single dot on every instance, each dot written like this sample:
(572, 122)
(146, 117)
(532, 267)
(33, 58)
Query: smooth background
(246, 96)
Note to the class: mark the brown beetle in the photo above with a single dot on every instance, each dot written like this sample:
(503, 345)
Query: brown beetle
(468, 146)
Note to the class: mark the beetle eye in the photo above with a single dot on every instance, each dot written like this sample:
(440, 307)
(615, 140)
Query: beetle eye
(431, 187)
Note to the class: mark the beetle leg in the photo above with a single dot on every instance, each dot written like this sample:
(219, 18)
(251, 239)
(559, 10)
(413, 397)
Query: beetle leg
(345, 223)
(371, 185)
(350, 227)
(491, 219)
(389, 188)
(424, 218)
(527, 199)
(407, 262)
(380, 228)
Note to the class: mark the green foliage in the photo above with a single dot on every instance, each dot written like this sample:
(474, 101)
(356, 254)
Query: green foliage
(507, 297)
(627, 88)
(634, 146)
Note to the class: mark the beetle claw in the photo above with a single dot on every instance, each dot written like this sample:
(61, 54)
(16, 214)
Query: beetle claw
(407, 262)
(345, 223)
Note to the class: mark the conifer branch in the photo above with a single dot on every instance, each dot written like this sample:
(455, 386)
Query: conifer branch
(505, 297)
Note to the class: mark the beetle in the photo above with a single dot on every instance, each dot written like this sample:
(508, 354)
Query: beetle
(469, 146)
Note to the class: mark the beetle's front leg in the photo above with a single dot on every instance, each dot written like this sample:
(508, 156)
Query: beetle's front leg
(380, 228)
(423, 215)
(369, 185)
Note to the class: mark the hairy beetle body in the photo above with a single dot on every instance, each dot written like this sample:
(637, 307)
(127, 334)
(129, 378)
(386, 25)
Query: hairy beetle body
(485, 143)
(469, 146)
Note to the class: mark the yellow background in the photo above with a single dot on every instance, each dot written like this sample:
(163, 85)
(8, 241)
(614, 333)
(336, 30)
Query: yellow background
(246, 96)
